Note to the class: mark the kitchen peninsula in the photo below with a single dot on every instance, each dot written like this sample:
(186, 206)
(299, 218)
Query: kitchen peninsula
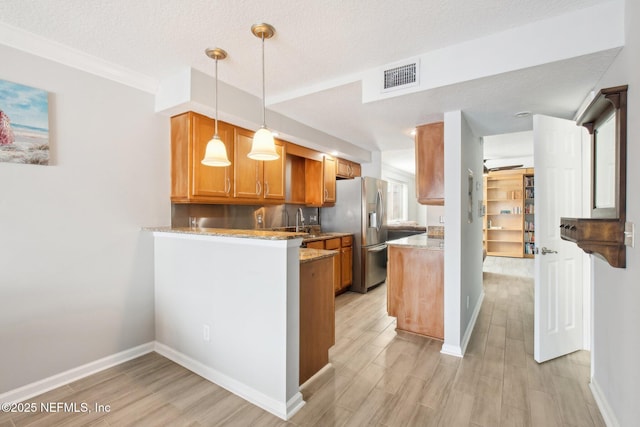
(227, 308)
(415, 284)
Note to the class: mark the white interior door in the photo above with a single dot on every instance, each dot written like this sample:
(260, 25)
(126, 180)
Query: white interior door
(558, 323)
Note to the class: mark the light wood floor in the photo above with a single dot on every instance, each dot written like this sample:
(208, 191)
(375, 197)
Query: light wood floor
(377, 378)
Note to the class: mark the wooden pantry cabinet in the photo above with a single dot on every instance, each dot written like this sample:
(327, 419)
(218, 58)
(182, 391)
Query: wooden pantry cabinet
(244, 181)
(429, 142)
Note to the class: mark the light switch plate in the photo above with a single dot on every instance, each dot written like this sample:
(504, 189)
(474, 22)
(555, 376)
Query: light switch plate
(629, 233)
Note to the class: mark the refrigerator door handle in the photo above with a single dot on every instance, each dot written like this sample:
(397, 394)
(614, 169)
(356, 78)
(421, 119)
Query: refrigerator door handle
(379, 209)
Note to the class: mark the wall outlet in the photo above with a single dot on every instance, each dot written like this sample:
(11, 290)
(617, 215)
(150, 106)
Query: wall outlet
(629, 234)
(206, 333)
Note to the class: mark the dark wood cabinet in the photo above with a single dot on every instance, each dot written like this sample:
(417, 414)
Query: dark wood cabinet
(604, 234)
(429, 143)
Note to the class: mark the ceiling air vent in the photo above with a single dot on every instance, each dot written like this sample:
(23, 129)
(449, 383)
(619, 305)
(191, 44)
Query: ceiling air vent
(400, 77)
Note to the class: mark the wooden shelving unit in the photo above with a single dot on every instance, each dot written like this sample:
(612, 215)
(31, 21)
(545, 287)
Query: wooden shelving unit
(529, 215)
(507, 205)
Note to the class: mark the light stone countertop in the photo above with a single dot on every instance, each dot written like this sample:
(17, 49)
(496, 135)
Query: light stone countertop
(324, 236)
(308, 255)
(420, 241)
(230, 232)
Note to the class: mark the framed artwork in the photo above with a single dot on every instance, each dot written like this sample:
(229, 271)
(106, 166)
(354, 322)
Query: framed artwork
(24, 124)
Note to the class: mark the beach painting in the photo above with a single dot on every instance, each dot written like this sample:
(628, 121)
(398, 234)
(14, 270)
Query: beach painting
(24, 124)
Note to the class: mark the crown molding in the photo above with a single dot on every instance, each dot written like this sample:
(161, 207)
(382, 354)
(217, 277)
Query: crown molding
(20, 39)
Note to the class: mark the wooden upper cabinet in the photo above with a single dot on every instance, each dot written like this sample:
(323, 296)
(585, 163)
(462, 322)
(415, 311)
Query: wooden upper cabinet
(248, 172)
(257, 179)
(329, 180)
(347, 169)
(191, 181)
(274, 175)
(430, 164)
(209, 181)
(320, 182)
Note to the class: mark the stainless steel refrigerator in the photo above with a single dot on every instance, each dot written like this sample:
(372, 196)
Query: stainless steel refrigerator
(361, 209)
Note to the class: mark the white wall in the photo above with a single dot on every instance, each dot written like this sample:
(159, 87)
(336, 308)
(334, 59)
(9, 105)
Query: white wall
(76, 272)
(463, 239)
(373, 168)
(616, 340)
(253, 317)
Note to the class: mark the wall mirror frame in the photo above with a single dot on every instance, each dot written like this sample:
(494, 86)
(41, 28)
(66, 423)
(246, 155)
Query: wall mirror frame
(603, 233)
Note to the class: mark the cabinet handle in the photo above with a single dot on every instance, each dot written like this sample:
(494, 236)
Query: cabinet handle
(228, 186)
(258, 188)
(326, 194)
(266, 188)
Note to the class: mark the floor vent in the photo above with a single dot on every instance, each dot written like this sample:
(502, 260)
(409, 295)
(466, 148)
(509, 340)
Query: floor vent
(400, 77)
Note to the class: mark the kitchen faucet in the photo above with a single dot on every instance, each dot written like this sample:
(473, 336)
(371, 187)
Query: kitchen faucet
(299, 219)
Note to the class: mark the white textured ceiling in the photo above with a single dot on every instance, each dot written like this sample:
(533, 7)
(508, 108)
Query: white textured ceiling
(322, 41)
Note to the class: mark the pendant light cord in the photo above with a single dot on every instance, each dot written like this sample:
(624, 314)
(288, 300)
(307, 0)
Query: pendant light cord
(264, 122)
(215, 133)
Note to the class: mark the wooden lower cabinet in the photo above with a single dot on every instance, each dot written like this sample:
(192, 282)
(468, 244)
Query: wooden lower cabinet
(343, 264)
(415, 289)
(317, 315)
(346, 265)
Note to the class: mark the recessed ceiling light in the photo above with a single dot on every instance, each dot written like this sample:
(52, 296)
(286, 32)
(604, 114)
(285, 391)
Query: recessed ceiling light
(522, 114)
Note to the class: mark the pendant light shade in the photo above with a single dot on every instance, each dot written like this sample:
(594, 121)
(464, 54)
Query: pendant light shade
(216, 152)
(263, 146)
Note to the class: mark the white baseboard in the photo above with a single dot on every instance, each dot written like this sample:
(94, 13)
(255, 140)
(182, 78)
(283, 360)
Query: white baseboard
(459, 350)
(603, 404)
(36, 388)
(451, 350)
(284, 410)
(472, 323)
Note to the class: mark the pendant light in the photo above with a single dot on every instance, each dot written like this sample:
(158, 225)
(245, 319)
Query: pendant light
(216, 152)
(263, 146)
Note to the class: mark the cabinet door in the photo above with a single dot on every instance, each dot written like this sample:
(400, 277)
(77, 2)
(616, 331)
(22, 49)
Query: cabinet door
(248, 172)
(355, 169)
(347, 266)
(208, 181)
(318, 244)
(329, 180)
(274, 175)
(430, 164)
(313, 183)
(347, 169)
